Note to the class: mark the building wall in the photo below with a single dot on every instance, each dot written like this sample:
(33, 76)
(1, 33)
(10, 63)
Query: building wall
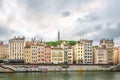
(109, 45)
(57, 55)
(65, 46)
(88, 52)
(70, 55)
(28, 55)
(116, 55)
(47, 54)
(100, 56)
(41, 54)
(16, 48)
(83, 52)
(34, 54)
(119, 55)
(79, 53)
(3, 51)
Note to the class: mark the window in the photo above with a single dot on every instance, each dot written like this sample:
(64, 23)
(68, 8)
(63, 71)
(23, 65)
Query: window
(60, 52)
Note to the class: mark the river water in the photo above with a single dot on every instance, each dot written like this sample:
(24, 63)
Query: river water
(61, 76)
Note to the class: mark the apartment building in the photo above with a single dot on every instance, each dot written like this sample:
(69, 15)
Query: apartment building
(109, 45)
(47, 55)
(83, 52)
(16, 48)
(57, 55)
(70, 53)
(100, 56)
(3, 51)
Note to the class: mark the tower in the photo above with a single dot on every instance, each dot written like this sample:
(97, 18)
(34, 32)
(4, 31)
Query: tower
(58, 35)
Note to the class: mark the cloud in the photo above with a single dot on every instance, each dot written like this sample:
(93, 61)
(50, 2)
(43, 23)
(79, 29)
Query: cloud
(91, 16)
(99, 31)
(98, 27)
(66, 14)
(0, 3)
(5, 31)
(91, 19)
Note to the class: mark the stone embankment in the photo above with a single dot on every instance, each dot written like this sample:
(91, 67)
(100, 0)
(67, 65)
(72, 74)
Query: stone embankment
(44, 68)
(6, 69)
(115, 69)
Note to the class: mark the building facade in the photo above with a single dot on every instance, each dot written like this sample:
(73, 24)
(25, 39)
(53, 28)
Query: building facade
(70, 53)
(83, 52)
(116, 55)
(3, 51)
(27, 53)
(119, 55)
(41, 54)
(16, 48)
(109, 45)
(57, 55)
(47, 55)
(100, 56)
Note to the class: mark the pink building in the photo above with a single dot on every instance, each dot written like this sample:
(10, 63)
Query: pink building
(41, 54)
(47, 55)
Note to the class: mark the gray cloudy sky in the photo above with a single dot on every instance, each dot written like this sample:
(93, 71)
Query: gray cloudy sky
(89, 19)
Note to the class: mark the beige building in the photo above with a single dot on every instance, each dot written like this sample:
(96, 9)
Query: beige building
(27, 53)
(119, 55)
(109, 45)
(3, 51)
(65, 46)
(37, 52)
(57, 55)
(16, 48)
(116, 55)
(70, 53)
(41, 54)
(34, 53)
(83, 52)
(47, 55)
(100, 56)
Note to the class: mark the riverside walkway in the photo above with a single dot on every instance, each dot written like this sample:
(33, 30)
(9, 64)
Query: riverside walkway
(52, 67)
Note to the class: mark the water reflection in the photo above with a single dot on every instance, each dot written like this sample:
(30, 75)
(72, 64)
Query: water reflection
(61, 76)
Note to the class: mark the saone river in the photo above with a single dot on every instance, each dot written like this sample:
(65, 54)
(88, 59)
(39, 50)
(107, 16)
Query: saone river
(61, 76)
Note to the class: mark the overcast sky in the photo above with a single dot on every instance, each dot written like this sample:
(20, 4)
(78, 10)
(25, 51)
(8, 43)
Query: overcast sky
(88, 19)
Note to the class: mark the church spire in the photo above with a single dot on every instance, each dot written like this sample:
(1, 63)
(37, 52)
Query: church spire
(58, 35)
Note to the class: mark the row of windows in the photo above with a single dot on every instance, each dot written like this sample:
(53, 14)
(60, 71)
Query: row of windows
(101, 60)
(55, 59)
(20, 47)
(16, 54)
(20, 44)
(101, 57)
(16, 51)
(34, 57)
(57, 55)
(18, 58)
(100, 54)
(88, 59)
(88, 56)
(88, 53)
(57, 52)
(40, 59)
(33, 47)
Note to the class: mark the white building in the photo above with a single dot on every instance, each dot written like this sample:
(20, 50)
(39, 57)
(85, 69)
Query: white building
(119, 56)
(3, 51)
(70, 55)
(57, 55)
(16, 48)
(109, 45)
(100, 56)
(83, 52)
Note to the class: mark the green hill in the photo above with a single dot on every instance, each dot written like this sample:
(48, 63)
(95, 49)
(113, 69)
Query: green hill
(55, 43)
